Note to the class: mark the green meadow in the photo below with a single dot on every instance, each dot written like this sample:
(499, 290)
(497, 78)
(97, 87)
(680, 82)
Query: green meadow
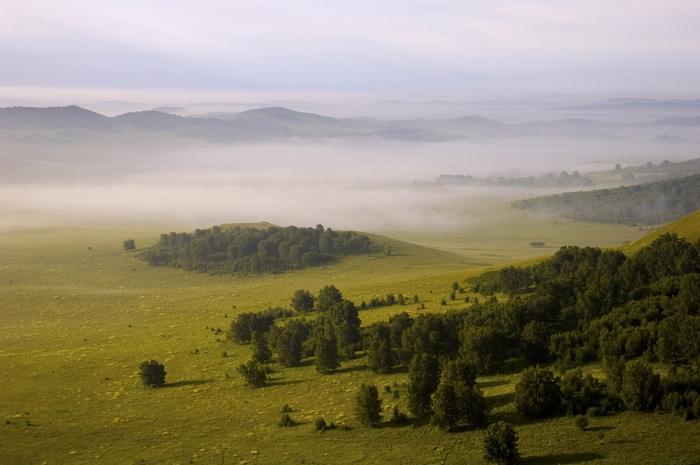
(79, 313)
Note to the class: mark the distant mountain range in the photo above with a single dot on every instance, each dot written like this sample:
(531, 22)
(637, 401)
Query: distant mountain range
(282, 123)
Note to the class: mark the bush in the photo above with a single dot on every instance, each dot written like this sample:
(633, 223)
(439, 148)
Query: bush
(129, 245)
(253, 373)
(501, 444)
(581, 422)
(286, 421)
(152, 373)
(320, 424)
(398, 417)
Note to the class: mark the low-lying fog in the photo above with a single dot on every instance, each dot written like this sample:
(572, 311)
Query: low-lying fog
(370, 186)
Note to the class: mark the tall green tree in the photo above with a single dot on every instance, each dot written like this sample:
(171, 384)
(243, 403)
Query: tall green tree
(368, 405)
(303, 301)
(423, 380)
(641, 387)
(327, 297)
(537, 393)
(444, 406)
(501, 444)
(260, 348)
(380, 358)
(325, 349)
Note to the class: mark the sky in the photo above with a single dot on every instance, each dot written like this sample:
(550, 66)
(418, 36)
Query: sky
(210, 48)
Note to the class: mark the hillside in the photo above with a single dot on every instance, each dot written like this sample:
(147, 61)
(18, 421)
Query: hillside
(648, 203)
(687, 227)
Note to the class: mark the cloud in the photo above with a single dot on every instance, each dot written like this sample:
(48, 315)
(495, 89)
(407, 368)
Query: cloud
(407, 46)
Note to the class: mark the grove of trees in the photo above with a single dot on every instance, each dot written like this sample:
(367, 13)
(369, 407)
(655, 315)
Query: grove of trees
(251, 250)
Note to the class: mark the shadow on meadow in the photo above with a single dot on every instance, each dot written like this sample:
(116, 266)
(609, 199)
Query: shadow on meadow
(191, 382)
(490, 384)
(561, 458)
(499, 400)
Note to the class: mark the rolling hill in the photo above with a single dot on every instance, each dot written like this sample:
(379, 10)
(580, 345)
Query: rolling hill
(276, 123)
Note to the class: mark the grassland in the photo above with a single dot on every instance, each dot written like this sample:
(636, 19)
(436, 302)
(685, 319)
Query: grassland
(79, 314)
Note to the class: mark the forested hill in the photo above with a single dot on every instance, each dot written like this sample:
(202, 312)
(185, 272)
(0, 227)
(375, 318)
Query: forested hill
(253, 250)
(650, 203)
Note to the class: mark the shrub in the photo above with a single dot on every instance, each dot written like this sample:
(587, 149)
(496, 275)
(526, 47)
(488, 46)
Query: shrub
(398, 417)
(581, 422)
(320, 424)
(286, 421)
(129, 245)
(152, 373)
(501, 444)
(286, 408)
(253, 373)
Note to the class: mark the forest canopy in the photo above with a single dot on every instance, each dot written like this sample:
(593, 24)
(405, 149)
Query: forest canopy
(650, 203)
(275, 249)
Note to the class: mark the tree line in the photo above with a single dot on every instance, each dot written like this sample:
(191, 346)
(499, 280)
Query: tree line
(251, 250)
(649, 203)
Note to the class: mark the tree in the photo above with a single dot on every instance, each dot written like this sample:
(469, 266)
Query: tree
(246, 323)
(129, 245)
(368, 405)
(484, 347)
(380, 358)
(423, 380)
(501, 444)
(287, 342)
(253, 373)
(614, 368)
(326, 349)
(303, 301)
(444, 406)
(641, 387)
(534, 342)
(327, 297)
(152, 373)
(537, 393)
(457, 398)
(346, 323)
(261, 351)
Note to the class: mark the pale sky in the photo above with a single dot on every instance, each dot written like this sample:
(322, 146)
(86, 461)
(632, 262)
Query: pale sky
(437, 47)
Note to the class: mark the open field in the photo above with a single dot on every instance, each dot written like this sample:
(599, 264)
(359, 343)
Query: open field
(79, 314)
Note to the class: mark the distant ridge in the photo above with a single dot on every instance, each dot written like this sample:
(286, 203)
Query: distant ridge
(53, 118)
(275, 123)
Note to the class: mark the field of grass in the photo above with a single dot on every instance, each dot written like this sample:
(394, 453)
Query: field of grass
(79, 314)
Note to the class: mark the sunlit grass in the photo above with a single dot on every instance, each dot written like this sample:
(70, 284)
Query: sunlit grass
(79, 314)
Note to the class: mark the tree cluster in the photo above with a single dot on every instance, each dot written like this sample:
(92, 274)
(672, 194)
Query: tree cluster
(585, 304)
(251, 250)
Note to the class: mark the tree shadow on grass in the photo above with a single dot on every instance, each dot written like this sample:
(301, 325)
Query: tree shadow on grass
(190, 382)
(351, 369)
(489, 384)
(561, 458)
(500, 400)
(284, 383)
(600, 428)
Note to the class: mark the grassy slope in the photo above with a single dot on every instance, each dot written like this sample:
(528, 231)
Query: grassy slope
(77, 321)
(688, 227)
